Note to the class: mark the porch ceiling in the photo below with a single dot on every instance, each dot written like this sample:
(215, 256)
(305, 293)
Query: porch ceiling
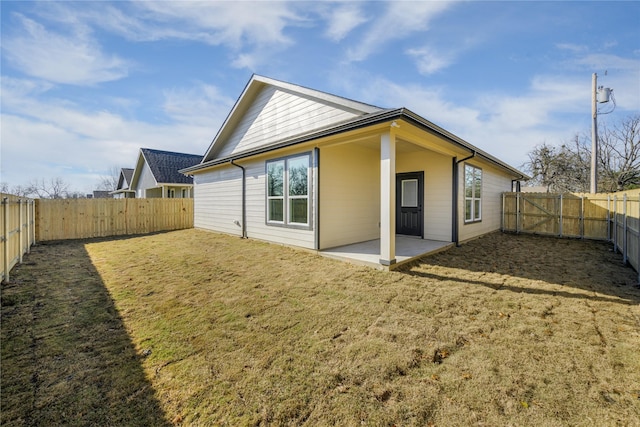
(405, 145)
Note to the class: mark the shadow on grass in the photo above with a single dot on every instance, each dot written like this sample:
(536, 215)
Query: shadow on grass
(589, 266)
(66, 356)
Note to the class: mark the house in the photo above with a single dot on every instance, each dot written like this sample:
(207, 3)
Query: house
(124, 180)
(156, 174)
(301, 167)
(100, 194)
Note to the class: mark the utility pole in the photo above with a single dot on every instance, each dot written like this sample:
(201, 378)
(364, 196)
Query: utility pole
(594, 135)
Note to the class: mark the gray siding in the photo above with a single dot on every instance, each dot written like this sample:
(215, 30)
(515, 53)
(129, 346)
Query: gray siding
(276, 115)
(256, 212)
(218, 200)
(218, 203)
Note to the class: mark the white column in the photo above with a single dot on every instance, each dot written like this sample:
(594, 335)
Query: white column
(388, 199)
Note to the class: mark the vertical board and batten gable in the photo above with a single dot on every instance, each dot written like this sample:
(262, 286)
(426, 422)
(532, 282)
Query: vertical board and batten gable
(494, 183)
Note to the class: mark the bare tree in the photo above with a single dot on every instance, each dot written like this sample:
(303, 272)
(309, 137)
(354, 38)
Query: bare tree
(55, 188)
(16, 190)
(559, 169)
(566, 168)
(109, 182)
(619, 155)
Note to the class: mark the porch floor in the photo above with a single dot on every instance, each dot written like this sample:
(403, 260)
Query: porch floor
(368, 253)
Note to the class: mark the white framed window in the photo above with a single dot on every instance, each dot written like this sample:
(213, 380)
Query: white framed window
(184, 193)
(288, 191)
(171, 193)
(472, 194)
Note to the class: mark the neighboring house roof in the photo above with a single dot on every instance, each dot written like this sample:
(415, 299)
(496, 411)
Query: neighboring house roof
(165, 166)
(125, 178)
(356, 115)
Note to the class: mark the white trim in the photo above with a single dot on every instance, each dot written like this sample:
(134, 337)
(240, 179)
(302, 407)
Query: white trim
(388, 198)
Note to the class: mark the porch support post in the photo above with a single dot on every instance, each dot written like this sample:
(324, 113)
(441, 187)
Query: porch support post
(388, 199)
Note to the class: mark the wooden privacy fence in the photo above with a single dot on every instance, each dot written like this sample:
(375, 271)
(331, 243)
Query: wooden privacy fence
(86, 218)
(18, 230)
(612, 217)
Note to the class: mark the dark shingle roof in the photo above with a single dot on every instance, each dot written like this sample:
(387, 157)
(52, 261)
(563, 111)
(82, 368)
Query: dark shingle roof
(125, 175)
(128, 174)
(165, 165)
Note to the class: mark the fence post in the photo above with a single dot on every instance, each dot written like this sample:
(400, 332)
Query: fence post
(615, 224)
(560, 218)
(34, 222)
(20, 232)
(624, 228)
(518, 213)
(638, 241)
(581, 217)
(609, 218)
(28, 212)
(502, 219)
(5, 261)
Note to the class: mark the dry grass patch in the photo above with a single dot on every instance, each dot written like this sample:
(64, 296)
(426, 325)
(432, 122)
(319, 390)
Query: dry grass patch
(504, 330)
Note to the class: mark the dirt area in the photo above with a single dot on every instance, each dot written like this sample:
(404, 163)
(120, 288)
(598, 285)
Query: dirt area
(198, 328)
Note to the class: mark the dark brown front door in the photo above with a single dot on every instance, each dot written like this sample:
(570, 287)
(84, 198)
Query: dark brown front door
(409, 200)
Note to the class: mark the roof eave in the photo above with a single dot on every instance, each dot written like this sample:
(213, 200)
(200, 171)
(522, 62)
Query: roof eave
(360, 122)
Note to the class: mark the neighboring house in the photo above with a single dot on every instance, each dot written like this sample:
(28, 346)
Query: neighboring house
(301, 167)
(124, 181)
(156, 174)
(100, 194)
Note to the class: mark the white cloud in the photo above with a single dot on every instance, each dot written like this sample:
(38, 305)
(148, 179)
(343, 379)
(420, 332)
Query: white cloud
(614, 71)
(74, 59)
(505, 125)
(199, 105)
(572, 47)
(246, 28)
(343, 19)
(429, 61)
(230, 23)
(399, 20)
(63, 139)
(604, 61)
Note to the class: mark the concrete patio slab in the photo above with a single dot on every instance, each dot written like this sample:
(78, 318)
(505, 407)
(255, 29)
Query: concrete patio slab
(368, 253)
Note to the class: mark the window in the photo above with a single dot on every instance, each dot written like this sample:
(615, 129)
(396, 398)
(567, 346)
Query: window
(171, 193)
(184, 193)
(409, 193)
(472, 194)
(288, 190)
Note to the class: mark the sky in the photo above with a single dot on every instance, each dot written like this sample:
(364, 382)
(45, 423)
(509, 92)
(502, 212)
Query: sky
(85, 85)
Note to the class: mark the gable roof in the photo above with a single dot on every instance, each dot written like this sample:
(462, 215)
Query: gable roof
(256, 88)
(365, 115)
(165, 166)
(124, 181)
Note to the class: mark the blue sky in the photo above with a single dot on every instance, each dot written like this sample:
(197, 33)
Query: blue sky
(86, 84)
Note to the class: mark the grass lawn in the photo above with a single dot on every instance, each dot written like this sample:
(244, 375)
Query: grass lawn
(198, 328)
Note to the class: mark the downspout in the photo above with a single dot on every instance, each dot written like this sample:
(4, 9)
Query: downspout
(244, 199)
(455, 179)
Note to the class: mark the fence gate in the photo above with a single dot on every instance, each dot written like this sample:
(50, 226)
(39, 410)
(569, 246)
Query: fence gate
(611, 217)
